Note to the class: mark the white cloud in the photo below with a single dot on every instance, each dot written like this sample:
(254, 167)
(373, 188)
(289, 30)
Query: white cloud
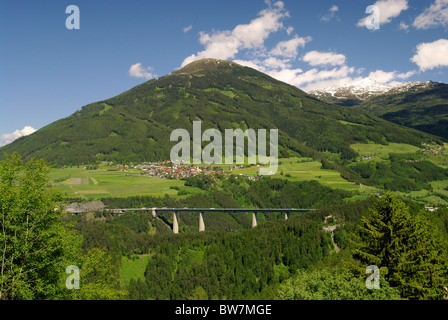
(7, 138)
(245, 45)
(407, 75)
(186, 29)
(315, 58)
(331, 14)
(137, 71)
(382, 76)
(403, 26)
(289, 48)
(226, 44)
(316, 75)
(334, 8)
(276, 63)
(431, 55)
(388, 9)
(436, 14)
(343, 77)
(251, 64)
(324, 84)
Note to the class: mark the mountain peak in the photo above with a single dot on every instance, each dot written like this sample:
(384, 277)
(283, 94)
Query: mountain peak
(207, 64)
(366, 88)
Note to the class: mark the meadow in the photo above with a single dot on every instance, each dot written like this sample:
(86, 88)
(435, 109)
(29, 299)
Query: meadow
(133, 268)
(101, 183)
(381, 152)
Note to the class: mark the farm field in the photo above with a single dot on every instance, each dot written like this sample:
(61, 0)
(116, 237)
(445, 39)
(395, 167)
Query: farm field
(300, 169)
(100, 183)
(379, 151)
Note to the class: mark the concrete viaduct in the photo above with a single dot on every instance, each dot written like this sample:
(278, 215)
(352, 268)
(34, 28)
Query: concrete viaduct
(201, 212)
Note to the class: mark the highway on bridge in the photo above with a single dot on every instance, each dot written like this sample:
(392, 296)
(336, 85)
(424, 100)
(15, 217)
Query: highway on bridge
(201, 212)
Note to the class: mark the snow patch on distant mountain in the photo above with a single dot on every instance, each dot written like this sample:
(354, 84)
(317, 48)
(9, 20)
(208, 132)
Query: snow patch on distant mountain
(367, 88)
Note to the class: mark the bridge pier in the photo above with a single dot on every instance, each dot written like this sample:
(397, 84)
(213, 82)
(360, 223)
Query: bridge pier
(286, 215)
(175, 222)
(201, 222)
(154, 213)
(254, 220)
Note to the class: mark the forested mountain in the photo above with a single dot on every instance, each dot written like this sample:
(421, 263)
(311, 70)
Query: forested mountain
(425, 109)
(136, 125)
(419, 105)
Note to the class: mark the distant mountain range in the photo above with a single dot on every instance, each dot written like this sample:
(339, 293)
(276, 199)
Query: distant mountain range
(366, 89)
(419, 105)
(136, 125)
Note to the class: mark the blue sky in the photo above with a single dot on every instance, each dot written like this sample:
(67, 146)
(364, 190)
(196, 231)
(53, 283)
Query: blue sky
(47, 71)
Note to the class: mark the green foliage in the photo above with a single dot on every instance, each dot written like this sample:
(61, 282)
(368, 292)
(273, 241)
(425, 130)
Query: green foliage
(333, 285)
(99, 279)
(397, 174)
(408, 250)
(31, 236)
(201, 181)
(232, 265)
(277, 193)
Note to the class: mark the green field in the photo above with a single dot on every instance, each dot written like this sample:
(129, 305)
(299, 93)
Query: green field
(381, 152)
(100, 183)
(133, 268)
(300, 169)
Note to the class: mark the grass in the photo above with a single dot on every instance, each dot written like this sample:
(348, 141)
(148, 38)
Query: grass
(106, 107)
(379, 151)
(133, 268)
(300, 169)
(101, 183)
(351, 123)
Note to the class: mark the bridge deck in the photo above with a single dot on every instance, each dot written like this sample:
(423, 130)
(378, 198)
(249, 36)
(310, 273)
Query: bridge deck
(217, 209)
(201, 212)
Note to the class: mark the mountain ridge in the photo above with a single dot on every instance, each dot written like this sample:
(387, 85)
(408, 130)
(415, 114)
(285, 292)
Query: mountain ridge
(422, 105)
(366, 89)
(135, 125)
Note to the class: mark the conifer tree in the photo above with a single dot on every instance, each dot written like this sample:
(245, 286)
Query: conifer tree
(407, 249)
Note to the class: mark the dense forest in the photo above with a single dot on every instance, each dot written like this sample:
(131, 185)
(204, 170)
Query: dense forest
(268, 262)
(279, 259)
(293, 259)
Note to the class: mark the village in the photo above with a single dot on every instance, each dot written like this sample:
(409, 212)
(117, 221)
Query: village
(432, 149)
(169, 170)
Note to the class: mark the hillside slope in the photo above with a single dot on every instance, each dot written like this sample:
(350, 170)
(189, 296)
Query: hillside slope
(424, 108)
(419, 105)
(136, 125)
